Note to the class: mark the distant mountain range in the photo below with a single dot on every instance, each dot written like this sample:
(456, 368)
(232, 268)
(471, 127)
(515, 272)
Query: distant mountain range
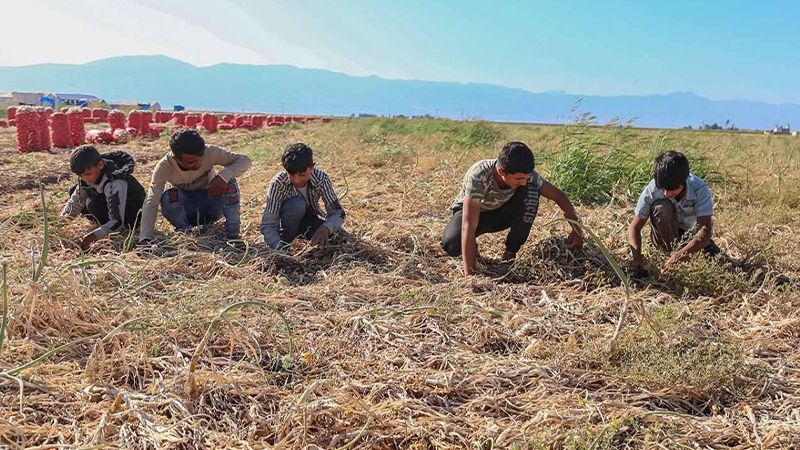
(280, 88)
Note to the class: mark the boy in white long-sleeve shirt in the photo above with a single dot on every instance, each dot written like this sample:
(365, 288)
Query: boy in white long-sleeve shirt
(199, 194)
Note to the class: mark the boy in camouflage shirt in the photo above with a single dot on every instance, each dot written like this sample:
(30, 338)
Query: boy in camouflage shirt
(502, 194)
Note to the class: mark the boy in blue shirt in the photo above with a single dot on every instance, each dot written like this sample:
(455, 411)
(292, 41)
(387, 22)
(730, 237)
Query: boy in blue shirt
(676, 203)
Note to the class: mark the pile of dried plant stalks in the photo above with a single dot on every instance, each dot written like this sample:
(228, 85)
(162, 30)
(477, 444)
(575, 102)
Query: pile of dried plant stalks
(377, 341)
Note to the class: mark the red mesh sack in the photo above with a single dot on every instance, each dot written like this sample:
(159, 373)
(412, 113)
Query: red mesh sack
(180, 118)
(3, 123)
(327, 119)
(191, 121)
(76, 130)
(99, 137)
(100, 114)
(209, 122)
(147, 119)
(117, 120)
(135, 120)
(27, 129)
(86, 113)
(59, 123)
(12, 122)
(43, 128)
(121, 136)
(11, 112)
(226, 126)
(154, 131)
(258, 121)
(239, 121)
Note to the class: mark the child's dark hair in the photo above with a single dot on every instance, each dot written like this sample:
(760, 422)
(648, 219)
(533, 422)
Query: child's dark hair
(516, 157)
(82, 158)
(670, 170)
(187, 141)
(297, 158)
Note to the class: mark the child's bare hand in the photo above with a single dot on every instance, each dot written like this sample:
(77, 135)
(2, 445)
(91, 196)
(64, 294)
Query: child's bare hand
(217, 187)
(321, 237)
(87, 241)
(574, 241)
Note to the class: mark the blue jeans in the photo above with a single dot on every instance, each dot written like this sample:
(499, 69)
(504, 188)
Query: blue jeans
(185, 209)
(298, 219)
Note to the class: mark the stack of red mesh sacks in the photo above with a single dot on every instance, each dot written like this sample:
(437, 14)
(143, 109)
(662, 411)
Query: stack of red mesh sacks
(31, 136)
(163, 116)
(135, 123)
(153, 130)
(256, 122)
(99, 115)
(139, 124)
(227, 122)
(59, 123)
(191, 120)
(87, 115)
(11, 114)
(117, 120)
(180, 118)
(209, 122)
(276, 121)
(76, 130)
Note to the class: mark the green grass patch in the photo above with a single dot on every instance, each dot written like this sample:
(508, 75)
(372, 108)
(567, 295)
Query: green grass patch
(595, 166)
(690, 356)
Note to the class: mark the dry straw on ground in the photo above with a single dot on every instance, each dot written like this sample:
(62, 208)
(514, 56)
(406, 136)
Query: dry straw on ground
(378, 341)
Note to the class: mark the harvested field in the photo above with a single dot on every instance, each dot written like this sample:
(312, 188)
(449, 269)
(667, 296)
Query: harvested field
(379, 341)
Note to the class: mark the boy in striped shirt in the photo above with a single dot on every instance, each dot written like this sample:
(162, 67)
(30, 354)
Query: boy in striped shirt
(292, 206)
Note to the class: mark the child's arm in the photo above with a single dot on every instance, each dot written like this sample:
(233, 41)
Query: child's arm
(75, 203)
(270, 219)
(335, 214)
(705, 230)
(548, 191)
(635, 243)
(116, 193)
(469, 225)
(151, 203)
(235, 164)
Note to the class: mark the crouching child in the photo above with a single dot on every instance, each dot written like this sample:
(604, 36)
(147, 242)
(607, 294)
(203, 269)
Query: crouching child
(107, 192)
(199, 195)
(292, 206)
(502, 194)
(679, 207)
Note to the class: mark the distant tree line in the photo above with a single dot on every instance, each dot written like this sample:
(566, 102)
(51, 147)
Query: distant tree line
(728, 126)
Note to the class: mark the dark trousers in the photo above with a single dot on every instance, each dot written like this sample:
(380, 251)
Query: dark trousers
(517, 214)
(298, 219)
(185, 209)
(96, 208)
(665, 231)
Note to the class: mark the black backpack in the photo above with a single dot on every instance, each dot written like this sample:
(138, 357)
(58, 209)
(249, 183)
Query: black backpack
(121, 164)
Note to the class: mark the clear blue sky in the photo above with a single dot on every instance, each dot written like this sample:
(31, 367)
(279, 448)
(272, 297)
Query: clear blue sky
(721, 50)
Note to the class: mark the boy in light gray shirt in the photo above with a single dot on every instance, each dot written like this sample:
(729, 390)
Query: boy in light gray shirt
(676, 202)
